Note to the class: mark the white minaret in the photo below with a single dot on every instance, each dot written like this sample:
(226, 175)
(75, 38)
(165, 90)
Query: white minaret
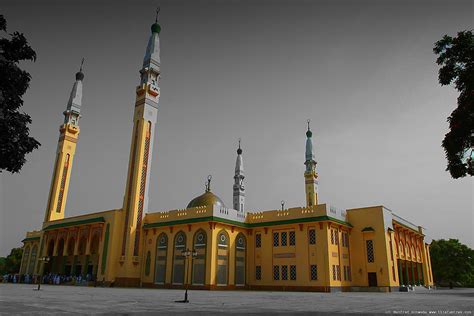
(310, 174)
(239, 189)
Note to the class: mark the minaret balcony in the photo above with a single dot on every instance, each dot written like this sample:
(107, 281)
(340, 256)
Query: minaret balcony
(72, 129)
(141, 90)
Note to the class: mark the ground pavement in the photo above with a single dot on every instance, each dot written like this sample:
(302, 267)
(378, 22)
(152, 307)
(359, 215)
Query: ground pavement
(63, 299)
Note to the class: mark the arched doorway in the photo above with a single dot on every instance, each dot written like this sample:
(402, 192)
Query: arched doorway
(24, 260)
(31, 265)
(199, 263)
(161, 258)
(59, 259)
(93, 259)
(178, 259)
(222, 258)
(240, 259)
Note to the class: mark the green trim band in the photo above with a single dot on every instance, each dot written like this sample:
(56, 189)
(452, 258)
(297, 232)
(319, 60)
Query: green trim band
(76, 223)
(245, 225)
(30, 239)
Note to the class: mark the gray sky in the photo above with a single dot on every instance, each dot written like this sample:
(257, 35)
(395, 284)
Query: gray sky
(363, 73)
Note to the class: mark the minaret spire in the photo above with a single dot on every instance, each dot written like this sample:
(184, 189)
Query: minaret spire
(68, 136)
(310, 174)
(135, 202)
(239, 188)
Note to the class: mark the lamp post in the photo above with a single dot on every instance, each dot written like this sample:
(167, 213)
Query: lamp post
(45, 260)
(188, 257)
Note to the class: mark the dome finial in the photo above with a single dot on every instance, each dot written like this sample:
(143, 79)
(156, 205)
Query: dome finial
(208, 184)
(80, 74)
(308, 132)
(155, 27)
(239, 151)
(156, 16)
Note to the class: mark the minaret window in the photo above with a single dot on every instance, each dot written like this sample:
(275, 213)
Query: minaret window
(63, 184)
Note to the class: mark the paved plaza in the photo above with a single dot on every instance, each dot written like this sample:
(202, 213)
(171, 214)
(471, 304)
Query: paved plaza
(51, 299)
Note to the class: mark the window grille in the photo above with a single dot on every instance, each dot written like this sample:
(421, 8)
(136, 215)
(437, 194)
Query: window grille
(314, 272)
(276, 241)
(258, 272)
(345, 273)
(292, 238)
(332, 236)
(284, 272)
(370, 250)
(338, 272)
(312, 237)
(336, 237)
(293, 272)
(284, 238)
(258, 240)
(276, 272)
(334, 272)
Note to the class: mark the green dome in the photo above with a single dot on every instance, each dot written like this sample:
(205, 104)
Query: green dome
(155, 28)
(206, 199)
(309, 133)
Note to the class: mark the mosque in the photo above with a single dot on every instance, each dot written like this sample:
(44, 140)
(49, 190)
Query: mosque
(207, 245)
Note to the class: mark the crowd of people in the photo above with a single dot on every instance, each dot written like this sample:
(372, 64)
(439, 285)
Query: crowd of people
(50, 278)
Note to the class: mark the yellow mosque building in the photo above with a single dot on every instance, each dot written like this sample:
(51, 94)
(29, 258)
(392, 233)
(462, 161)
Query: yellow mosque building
(315, 247)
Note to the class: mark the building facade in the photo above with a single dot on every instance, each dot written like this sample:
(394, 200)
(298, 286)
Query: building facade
(316, 247)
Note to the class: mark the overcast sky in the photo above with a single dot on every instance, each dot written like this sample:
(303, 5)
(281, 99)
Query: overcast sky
(363, 73)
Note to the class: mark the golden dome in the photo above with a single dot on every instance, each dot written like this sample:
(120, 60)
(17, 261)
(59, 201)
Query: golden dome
(206, 199)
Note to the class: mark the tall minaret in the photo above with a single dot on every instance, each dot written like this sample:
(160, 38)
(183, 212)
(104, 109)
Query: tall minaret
(239, 189)
(68, 135)
(310, 174)
(145, 112)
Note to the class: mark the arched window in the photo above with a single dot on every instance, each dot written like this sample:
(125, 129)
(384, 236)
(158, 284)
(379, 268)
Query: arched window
(240, 259)
(222, 257)
(178, 258)
(24, 263)
(199, 263)
(160, 258)
(32, 263)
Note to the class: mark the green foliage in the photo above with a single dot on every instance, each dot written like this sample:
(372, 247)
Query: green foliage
(11, 264)
(15, 141)
(456, 58)
(452, 262)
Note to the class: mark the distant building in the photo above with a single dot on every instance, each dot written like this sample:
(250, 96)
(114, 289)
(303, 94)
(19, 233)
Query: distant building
(313, 248)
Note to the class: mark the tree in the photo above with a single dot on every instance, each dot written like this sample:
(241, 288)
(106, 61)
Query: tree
(15, 141)
(452, 262)
(11, 264)
(456, 58)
